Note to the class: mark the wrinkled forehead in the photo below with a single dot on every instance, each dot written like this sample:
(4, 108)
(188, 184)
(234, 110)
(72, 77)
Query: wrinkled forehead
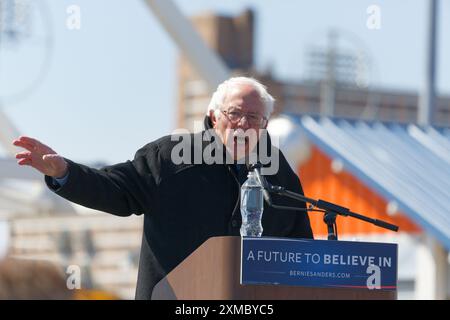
(245, 98)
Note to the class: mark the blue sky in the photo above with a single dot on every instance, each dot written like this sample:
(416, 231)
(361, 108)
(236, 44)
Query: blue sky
(111, 86)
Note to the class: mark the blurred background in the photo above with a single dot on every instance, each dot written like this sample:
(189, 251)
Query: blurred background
(362, 113)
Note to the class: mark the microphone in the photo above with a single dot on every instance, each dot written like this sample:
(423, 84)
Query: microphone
(262, 181)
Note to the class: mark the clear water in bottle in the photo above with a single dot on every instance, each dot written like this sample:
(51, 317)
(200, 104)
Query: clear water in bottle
(252, 206)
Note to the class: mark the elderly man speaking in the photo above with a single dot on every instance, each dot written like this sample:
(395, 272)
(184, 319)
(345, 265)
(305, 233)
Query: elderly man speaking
(184, 202)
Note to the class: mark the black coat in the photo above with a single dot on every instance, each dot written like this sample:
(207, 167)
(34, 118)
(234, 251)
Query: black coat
(183, 205)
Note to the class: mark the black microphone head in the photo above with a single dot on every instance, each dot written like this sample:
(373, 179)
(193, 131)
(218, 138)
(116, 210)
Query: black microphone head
(253, 166)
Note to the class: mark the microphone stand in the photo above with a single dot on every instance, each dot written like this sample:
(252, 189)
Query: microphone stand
(329, 209)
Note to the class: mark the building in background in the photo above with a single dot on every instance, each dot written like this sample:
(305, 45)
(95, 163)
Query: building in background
(233, 38)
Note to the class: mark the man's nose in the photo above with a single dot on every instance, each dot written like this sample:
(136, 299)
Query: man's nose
(243, 124)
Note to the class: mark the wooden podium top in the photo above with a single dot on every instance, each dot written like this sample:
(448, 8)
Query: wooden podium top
(212, 272)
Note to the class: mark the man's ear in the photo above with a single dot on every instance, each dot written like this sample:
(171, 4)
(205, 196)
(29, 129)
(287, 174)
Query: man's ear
(212, 116)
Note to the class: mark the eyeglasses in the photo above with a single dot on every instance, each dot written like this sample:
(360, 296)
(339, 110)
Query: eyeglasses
(253, 119)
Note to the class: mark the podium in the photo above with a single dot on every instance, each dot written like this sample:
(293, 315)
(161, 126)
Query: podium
(212, 272)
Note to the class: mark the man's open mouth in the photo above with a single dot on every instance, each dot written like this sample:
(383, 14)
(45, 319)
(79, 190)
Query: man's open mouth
(241, 140)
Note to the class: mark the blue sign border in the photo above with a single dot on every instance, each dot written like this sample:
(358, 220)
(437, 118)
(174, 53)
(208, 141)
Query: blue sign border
(319, 263)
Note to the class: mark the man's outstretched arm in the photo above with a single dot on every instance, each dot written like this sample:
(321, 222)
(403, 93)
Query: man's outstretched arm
(117, 189)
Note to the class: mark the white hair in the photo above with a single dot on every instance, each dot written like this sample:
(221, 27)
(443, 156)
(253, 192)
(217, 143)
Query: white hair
(218, 98)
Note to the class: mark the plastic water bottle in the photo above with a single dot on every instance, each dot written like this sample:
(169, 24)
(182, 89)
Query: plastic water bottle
(252, 206)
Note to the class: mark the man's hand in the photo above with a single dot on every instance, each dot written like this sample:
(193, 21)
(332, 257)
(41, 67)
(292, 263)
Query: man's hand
(40, 157)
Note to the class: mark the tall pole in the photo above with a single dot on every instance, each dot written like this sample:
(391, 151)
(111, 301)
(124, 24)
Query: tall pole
(427, 102)
(328, 85)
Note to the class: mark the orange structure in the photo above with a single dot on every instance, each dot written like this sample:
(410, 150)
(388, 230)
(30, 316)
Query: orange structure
(320, 181)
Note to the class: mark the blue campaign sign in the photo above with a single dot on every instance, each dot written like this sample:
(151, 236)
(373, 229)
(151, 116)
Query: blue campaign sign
(319, 263)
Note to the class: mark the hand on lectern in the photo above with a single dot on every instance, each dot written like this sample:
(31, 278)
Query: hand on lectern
(40, 157)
